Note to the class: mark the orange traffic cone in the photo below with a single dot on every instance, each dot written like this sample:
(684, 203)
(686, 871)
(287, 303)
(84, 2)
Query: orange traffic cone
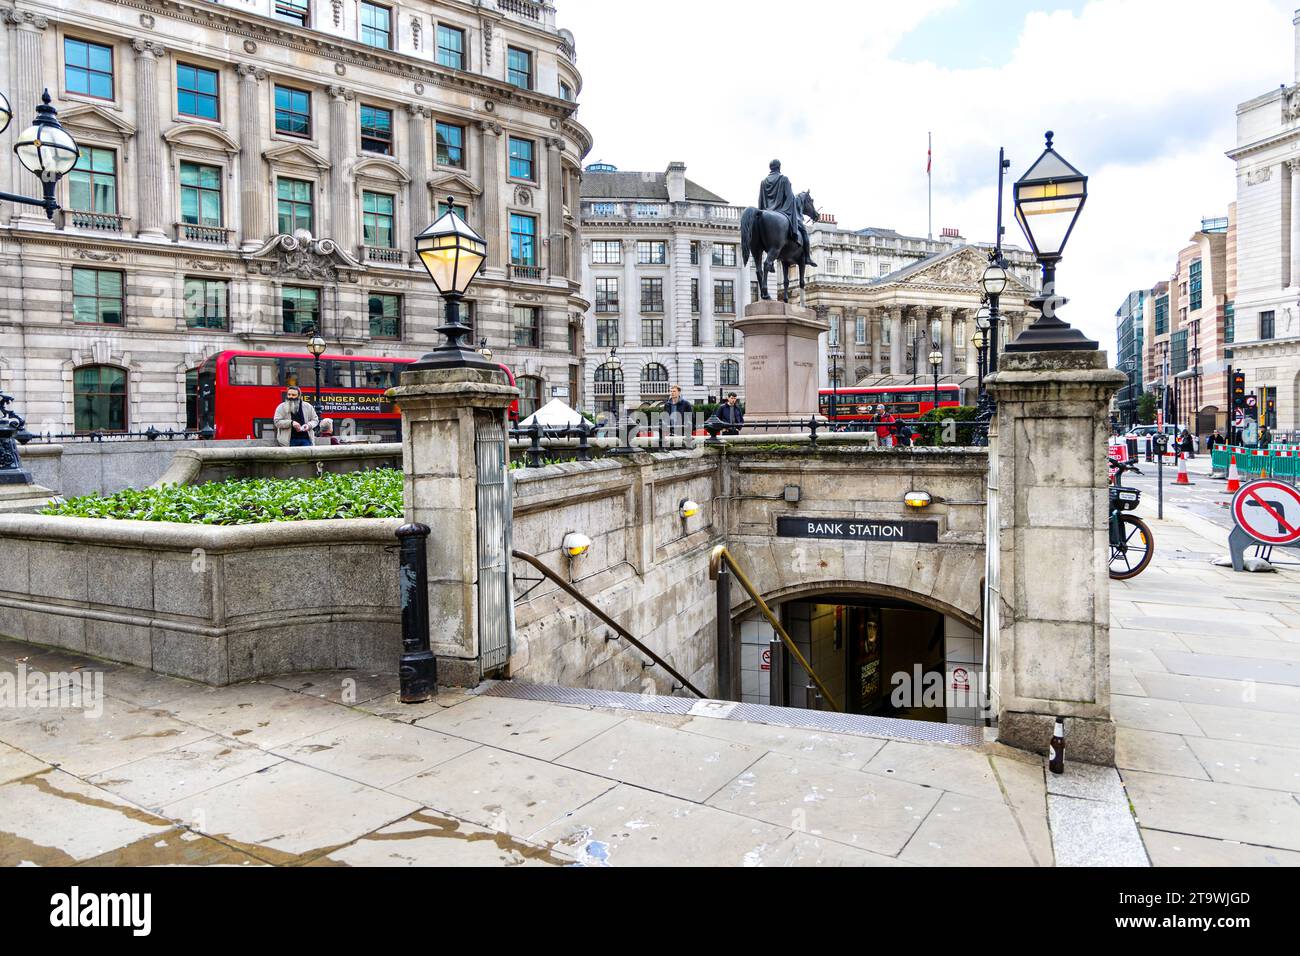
(1182, 478)
(1234, 480)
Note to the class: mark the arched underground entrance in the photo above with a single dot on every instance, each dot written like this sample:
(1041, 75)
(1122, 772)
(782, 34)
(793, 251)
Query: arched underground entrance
(878, 654)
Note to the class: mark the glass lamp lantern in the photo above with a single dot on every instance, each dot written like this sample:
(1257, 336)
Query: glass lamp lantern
(6, 112)
(982, 318)
(316, 345)
(977, 340)
(46, 149)
(936, 359)
(452, 253)
(994, 280)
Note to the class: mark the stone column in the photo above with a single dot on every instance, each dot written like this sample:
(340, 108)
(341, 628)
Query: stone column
(442, 411)
(29, 69)
(708, 331)
(151, 179)
(945, 326)
(1294, 164)
(895, 341)
(492, 231)
(417, 131)
(875, 330)
(629, 298)
(555, 206)
(589, 293)
(341, 151)
(1052, 655)
(252, 190)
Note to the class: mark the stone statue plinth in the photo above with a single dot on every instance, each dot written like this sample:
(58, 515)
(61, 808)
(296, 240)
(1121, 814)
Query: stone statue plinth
(780, 360)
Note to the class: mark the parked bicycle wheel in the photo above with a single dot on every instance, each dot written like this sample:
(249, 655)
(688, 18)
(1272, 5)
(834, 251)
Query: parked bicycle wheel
(1139, 547)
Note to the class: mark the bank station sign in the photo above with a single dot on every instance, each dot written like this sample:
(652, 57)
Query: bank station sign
(858, 529)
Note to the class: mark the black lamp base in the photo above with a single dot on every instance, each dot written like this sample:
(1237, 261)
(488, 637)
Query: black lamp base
(452, 354)
(1048, 333)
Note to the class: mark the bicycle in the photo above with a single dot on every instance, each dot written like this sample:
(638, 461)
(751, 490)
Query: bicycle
(1132, 545)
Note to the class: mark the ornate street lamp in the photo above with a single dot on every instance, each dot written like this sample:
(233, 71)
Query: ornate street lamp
(453, 253)
(978, 341)
(835, 383)
(936, 360)
(1048, 200)
(316, 346)
(47, 150)
(483, 349)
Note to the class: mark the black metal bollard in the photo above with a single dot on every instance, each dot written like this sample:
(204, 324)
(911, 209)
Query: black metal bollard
(535, 449)
(419, 668)
(584, 429)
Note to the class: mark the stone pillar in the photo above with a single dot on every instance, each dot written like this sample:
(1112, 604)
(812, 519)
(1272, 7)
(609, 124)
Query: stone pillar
(895, 341)
(151, 179)
(1052, 655)
(629, 298)
(341, 151)
(875, 330)
(492, 231)
(442, 410)
(29, 69)
(555, 206)
(708, 331)
(782, 360)
(1294, 164)
(252, 190)
(417, 131)
(945, 326)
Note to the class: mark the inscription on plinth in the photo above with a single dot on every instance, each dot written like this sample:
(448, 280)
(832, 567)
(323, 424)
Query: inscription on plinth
(780, 360)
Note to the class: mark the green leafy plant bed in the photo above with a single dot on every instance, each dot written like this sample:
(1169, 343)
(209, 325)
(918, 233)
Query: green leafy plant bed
(358, 494)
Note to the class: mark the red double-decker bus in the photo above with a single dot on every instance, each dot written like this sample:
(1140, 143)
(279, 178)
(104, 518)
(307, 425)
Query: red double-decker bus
(238, 392)
(902, 402)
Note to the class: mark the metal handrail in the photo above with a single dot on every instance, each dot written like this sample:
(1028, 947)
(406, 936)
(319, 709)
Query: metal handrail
(605, 619)
(716, 559)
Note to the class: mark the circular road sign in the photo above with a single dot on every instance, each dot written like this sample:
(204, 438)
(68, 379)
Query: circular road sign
(1269, 511)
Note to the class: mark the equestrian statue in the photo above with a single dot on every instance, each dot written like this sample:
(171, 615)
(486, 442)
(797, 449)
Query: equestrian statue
(774, 232)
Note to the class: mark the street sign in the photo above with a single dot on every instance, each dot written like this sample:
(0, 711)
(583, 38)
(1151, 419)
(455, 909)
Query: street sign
(1266, 512)
(858, 529)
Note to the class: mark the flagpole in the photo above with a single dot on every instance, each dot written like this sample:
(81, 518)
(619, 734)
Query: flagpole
(929, 187)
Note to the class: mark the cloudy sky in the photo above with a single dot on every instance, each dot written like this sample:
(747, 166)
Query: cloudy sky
(1140, 93)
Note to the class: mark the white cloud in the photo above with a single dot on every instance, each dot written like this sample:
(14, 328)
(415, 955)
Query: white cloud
(1141, 95)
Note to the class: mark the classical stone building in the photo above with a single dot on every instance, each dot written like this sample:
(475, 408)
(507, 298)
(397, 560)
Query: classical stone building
(661, 267)
(888, 297)
(1265, 316)
(252, 168)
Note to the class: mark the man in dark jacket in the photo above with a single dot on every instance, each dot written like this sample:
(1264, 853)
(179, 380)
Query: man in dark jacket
(731, 414)
(678, 412)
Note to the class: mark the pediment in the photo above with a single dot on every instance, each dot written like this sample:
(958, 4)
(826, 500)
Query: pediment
(294, 154)
(87, 117)
(961, 268)
(379, 167)
(200, 137)
(454, 183)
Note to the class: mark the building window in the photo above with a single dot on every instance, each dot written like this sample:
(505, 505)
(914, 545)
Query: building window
(1266, 326)
(652, 253)
(695, 298)
(200, 195)
(92, 184)
(87, 68)
(99, 398)
(724, 254)
(652, 295)
(729, 372)
(527, 325)
(695, 253)
(652, 332)
(1194, 293)
(297, 11)
(376, 25)
(376, 130)
(609, 389)
(1229, 322)
(699, 373)
(523, 240)
(451, 47)
(860, 330)
(196, 92)
(293, 205)
(457, 208)
(451, 145)
(833, 266)
(206, 303)
(886, 268)
(724, 296)
(377, 220)
(519, 71)
(299, 309)
(859, 267)
(385, 316)
(530, 395)
(521, 158)
(192, 398)
(833, 335)
(566, 92)
(292, 111)
(1162, 315)
(607, 333)
(97, 297)
(606, 295)
(606, 252)
(724, 336)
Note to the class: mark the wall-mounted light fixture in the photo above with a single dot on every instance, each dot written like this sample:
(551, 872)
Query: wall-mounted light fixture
(688, 508)
(917, 499)
(576, 545)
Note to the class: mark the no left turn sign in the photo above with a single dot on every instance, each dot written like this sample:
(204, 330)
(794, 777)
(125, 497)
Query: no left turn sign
(1269, 511)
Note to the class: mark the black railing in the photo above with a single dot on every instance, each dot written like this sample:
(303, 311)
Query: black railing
(100, 435)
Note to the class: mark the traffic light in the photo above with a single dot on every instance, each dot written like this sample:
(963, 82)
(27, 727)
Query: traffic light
(1238, 390)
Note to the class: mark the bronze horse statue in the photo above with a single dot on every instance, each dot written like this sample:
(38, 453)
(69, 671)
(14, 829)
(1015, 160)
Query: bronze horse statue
(765, 235)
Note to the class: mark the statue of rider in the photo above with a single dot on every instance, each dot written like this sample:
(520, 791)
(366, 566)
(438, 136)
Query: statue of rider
(777, 194)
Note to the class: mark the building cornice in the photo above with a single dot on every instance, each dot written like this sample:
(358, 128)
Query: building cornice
(1259, 146)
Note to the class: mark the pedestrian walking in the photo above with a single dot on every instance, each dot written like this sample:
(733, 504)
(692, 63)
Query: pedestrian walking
(295, 420)
(731, 414)
(678, 412)
(1265, 437)
(884, 426)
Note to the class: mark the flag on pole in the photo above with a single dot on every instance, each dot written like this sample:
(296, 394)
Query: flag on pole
(929, 159)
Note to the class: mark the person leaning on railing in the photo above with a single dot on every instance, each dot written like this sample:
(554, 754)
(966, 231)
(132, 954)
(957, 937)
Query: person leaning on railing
(732, 415)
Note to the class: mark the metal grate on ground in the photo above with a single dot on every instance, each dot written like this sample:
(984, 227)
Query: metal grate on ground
(892, 727)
